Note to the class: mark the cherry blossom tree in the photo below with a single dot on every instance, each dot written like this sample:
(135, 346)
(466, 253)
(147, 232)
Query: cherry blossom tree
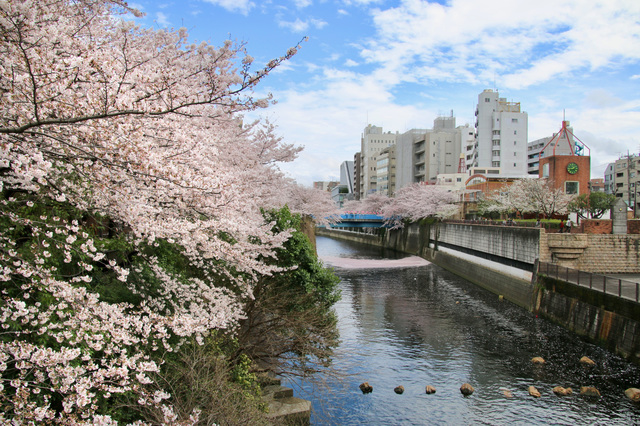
(419, 201)
(373, 203)
(104, 121)
(531, 196)
(307, 201)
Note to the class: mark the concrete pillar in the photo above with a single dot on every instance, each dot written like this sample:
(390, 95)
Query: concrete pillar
(619, 216)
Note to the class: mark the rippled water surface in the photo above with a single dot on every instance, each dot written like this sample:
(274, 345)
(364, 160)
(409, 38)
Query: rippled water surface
(421, 325)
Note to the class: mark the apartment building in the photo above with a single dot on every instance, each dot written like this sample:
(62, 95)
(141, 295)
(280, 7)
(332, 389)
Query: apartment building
(386, 171)
(372, 142)
(622, 178)
(500, 136)
(423, 154)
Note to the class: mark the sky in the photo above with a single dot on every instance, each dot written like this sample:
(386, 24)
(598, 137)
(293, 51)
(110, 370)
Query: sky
(399, 64)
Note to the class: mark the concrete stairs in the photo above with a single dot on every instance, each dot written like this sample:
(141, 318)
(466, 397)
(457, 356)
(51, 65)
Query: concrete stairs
(284, 408)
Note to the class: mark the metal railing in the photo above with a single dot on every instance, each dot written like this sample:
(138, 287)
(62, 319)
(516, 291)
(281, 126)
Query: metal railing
(614, 286)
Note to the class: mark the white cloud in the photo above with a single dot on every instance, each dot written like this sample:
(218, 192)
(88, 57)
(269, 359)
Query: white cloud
(161, 19)
(299, 26)
(300, 4)
(241, 6)
(526, 42)
(351, 63)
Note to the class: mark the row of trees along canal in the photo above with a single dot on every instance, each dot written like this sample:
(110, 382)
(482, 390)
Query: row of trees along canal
(535, 197)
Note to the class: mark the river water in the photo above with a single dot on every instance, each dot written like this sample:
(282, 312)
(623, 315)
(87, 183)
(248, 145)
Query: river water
(405, 322)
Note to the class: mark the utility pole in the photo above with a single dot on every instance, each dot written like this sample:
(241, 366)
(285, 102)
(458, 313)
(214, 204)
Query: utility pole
(629, 179)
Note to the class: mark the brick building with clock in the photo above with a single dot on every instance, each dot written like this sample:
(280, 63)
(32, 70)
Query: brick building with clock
(565, 163)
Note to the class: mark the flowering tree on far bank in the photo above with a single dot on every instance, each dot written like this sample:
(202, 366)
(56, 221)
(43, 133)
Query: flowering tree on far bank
(530, 196)
(130, 207)
(308, 201)
(374, 203)
(419, 201)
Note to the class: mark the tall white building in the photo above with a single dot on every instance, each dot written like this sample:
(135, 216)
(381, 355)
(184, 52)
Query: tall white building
(501, 135)
(372, 142)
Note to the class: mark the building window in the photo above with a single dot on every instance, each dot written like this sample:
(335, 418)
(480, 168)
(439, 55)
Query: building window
(514, 120)
(495, 164)
(545, 170)
(571, 187)
(515, 165)
(515, 132)
(487, 99)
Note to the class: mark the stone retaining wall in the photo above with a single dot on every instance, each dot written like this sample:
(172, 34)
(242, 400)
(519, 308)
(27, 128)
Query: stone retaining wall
(598, 253)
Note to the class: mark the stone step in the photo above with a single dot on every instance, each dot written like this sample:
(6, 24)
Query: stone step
(290, 411)
(276, 392)
(268, 378)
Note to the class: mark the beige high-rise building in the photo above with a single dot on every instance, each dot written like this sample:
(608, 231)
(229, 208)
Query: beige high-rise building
(372, 143)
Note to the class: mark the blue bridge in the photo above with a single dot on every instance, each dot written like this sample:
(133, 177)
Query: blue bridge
(359, 220)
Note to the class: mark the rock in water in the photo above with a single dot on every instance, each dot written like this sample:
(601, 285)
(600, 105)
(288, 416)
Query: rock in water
(589, 391)
(534, 392)
(560, 391)
(507, 393)
(399, 390)
(430, 389)
(366, 387)
(466, 389)
(587, 361)
(633, 394)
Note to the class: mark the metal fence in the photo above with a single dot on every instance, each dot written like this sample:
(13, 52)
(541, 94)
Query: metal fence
(619, 287)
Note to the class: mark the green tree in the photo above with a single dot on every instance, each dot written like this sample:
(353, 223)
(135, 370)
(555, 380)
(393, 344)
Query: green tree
(290, 327)
(592, 205)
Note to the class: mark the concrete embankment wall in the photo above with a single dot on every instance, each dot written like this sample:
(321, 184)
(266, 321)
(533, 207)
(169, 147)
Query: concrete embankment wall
(604, 319)
(498, 259)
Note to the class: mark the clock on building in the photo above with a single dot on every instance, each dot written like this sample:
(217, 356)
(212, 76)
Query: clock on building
(572, 168)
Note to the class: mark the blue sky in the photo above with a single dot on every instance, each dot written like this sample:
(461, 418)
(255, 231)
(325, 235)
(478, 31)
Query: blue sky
(401, 63)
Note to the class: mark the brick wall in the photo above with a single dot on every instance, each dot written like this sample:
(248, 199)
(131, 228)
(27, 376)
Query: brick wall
(597, 226)
(605, 226)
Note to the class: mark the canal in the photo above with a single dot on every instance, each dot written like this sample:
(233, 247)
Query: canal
(405, 322)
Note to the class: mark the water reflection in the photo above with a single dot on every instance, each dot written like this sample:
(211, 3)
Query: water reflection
(424, 326)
